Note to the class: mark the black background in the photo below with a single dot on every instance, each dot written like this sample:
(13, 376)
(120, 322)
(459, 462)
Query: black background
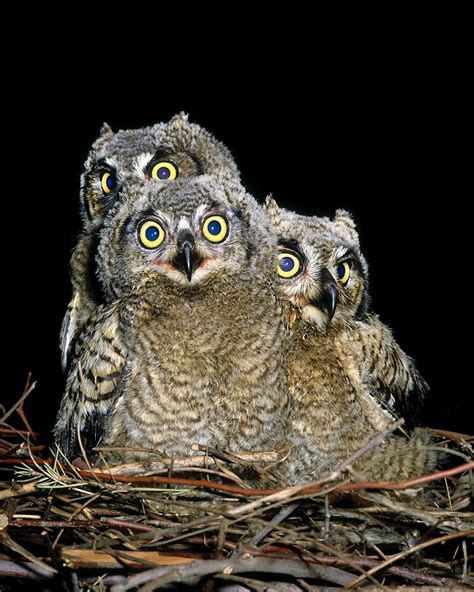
(381, 134)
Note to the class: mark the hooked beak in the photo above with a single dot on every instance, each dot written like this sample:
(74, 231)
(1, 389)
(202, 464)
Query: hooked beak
(328, 299)
(186, 259)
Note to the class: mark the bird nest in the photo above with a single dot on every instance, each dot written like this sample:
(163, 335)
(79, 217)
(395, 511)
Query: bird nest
(196, 524)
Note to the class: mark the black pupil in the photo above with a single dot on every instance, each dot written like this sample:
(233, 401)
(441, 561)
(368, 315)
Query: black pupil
(214, 227)
(152, 233)
(110, 182)
(286, 263)
(163, 172)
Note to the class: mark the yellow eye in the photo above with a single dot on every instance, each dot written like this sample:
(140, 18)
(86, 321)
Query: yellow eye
(164, 171)
(150, 234)
(108, 182)
(288, 265)
(215, 229)
(344, 271)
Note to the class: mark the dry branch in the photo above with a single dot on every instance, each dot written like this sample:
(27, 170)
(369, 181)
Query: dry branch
(18, 405)
(162, 465)
(90, 559)
(187, 574)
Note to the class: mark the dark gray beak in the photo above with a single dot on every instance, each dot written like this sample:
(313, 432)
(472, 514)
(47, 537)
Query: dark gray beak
(186, 260)
(328, 299)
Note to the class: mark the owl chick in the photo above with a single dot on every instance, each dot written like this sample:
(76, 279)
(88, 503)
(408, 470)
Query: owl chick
(160, 153)
(347, 376)
(188, 346)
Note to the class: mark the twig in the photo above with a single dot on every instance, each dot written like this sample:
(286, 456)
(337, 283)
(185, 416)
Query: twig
(197, 569)
(16, 490)
(245, 457)
(436, 564)
(113, 522)
(348, 560)
(29, 570)
(89, 558)
(258, 585)
(403, 509)
(220, 541)
(24, 419)
(261, 534)
(327, 518)
(56, 523)
(27, 392)
(13, 432)
(307, 588)
(409, 551)
(465, 565)
(371, 444)
(175, 481)
(199, 522)
(20, 449)
(149, 467)
(8, 542)
(127, 449)
(222, 472)
(456, 436)
(83, 507)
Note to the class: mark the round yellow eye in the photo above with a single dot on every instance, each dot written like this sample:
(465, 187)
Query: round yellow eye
(107, 182)
(344, 271)
(215, 229)
(288, 265)
(151, 234)
(164, 171)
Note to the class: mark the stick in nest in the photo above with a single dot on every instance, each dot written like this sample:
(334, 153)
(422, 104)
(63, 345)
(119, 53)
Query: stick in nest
(18, 407)
(163, 465)
(191, 572)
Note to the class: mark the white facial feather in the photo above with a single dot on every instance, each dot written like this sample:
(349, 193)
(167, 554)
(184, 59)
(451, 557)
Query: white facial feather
(340, 253)
(112, 163)
(314, 316)
(199, 275)
(140, 163)
(183, 224)
(306, 285)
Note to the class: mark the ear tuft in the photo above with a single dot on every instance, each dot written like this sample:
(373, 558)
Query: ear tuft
(270, 204)
(105, 132)
(345, 221)
(179, 119)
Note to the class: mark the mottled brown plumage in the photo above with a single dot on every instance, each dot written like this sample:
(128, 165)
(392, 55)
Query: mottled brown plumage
(187, 347)
(117, 163)
(346, 375)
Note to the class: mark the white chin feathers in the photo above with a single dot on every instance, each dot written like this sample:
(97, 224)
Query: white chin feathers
(314, 316)
(199, 275)
(179, 278)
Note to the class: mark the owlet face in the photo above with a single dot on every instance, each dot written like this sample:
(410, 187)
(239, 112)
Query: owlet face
(180, 236)
(161, 153)
(321, 270)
